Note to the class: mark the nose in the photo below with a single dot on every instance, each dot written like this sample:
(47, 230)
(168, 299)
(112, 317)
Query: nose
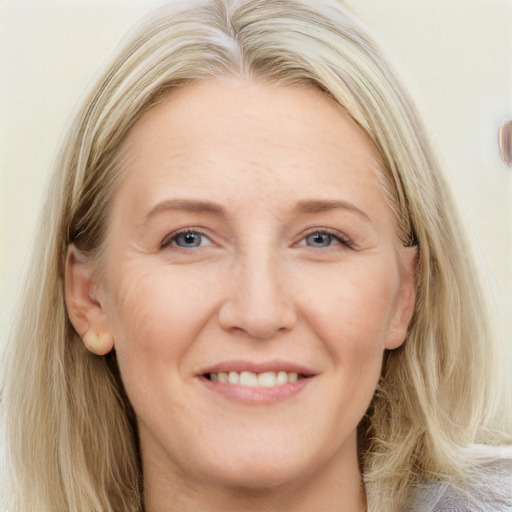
(260, 301)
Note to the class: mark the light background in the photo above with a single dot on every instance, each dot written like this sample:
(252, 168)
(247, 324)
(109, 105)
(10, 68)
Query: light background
(455, 56)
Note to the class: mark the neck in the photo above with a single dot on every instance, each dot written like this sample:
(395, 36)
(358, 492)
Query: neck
(336, 487)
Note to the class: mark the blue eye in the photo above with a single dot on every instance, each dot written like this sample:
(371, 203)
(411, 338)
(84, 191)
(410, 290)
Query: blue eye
(186, 239)
(319, 239)
(322, 239)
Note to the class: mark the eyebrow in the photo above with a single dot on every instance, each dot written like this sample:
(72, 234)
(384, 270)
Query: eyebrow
(302, 207)
(190, 205)
(324, 205)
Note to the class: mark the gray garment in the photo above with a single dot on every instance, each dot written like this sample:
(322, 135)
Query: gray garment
(488, 487)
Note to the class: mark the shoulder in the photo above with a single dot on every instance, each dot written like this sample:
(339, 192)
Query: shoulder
(487, 486)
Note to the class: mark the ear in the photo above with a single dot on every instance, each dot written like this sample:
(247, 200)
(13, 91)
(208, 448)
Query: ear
(405, 300)
(84, 308)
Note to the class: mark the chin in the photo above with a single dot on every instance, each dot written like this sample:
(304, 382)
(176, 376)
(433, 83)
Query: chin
(259, 475)
(264, 467)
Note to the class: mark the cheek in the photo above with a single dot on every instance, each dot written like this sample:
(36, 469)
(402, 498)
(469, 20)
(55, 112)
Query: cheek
(353, 311)
(351, 316)
(154, 315)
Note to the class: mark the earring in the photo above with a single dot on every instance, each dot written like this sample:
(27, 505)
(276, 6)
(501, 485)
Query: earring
(98, 343)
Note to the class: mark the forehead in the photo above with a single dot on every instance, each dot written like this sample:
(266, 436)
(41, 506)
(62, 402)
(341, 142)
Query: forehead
(237, 138)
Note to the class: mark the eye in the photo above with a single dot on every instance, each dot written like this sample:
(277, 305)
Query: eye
(321, 239)
(186, 239)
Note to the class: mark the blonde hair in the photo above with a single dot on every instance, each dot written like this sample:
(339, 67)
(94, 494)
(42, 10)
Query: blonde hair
(71, 431)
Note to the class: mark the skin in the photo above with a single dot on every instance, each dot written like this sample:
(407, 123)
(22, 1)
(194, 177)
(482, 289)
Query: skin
(270, 165)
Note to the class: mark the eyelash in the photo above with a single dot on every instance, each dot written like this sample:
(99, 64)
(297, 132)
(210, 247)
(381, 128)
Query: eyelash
(169, 239)
(338, 237)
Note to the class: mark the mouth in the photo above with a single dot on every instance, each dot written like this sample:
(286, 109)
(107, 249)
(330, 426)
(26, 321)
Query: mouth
(267, 379)
(257, 383)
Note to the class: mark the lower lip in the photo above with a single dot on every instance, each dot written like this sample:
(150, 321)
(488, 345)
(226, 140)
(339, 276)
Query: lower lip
(256, 395)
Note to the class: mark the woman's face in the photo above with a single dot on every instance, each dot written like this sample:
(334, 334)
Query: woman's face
(250, 242)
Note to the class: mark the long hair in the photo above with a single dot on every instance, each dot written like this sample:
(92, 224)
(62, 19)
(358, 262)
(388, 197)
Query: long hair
(71, 434)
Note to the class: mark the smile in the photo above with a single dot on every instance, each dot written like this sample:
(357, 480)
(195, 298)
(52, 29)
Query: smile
(251, 379)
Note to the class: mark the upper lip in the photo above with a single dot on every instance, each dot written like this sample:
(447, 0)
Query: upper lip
(258, 367)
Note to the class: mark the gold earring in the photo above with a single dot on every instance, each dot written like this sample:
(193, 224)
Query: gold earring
(98, 343)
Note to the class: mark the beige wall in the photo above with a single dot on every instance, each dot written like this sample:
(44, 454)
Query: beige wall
(456, 57)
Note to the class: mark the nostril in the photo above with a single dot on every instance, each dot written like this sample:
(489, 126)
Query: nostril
(240, 318)
(258, 302)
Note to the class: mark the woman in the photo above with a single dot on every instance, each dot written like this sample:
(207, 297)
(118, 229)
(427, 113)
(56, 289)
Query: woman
(250, 289)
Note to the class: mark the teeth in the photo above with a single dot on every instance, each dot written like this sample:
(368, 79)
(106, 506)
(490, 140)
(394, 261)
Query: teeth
(250, 379)
(282, 378)
(233, 378)
(267, 379)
